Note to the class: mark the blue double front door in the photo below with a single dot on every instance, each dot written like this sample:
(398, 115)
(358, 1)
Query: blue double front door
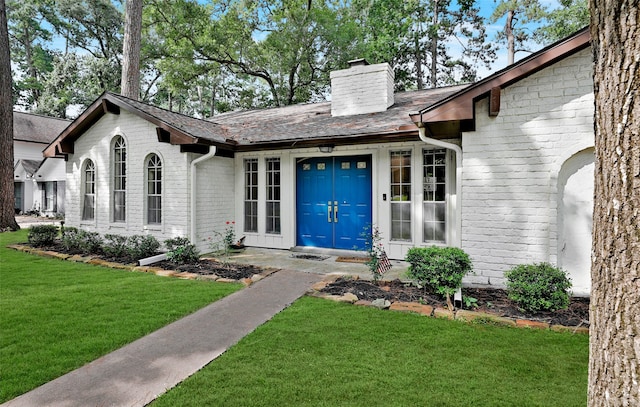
(333, 201)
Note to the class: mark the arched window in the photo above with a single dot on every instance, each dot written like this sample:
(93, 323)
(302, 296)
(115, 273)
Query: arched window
(89, 185)
(154, 189)
(119, 179)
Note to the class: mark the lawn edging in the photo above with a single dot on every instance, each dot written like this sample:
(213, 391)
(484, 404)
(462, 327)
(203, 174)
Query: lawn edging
(97, 261)
(439, 312)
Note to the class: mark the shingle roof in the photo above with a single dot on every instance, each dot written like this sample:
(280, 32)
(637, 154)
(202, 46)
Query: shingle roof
(195, 127)
(30, 166)
(256, 129)
(314, 121)
(37, 129)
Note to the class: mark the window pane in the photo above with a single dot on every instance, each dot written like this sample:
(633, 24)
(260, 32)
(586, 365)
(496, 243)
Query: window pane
(119, 179)
(273, 196)
(251, 195)
(400, 195)
(434, 205)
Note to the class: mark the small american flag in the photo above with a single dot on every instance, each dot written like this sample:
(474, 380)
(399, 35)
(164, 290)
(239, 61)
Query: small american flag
(384, 264)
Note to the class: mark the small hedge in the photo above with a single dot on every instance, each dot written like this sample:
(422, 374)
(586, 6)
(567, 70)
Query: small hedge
(181, 251)
(42, 235)
(440, 269)
(538, 287)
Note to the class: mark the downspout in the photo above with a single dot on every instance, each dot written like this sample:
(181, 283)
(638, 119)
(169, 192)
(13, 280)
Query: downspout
(422, 131)
(195, 162)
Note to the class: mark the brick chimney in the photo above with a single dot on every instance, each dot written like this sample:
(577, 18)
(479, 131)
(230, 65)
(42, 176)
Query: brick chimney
(362, 88)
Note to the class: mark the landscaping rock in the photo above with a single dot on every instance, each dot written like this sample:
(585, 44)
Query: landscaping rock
(412, 307)
(381, 303)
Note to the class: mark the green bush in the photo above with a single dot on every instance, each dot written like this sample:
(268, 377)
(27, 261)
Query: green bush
(115, 246)
(71, 239)
(538, 287)
(141, 246)
(439, 268)
(181, 251)
(91, 242)
(42, 235)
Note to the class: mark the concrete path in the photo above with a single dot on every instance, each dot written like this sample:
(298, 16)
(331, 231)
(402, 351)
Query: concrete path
(137, 373)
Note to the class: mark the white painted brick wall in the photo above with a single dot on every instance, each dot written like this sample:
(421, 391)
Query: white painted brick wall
(215, 180)
(511, 164)
(362, 89)
(141, 139)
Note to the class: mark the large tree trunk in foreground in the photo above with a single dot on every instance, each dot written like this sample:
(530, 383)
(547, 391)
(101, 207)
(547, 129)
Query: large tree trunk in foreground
(614, 362)
(7, 212)
(131, 50)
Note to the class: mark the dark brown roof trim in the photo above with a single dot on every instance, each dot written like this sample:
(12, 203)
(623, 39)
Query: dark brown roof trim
(460, 106)
(110, 103)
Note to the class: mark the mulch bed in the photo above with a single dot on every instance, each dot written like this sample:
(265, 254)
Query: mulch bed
(490, 300)
(207, 267)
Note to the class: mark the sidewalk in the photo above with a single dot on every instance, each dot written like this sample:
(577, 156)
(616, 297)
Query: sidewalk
(139, 372)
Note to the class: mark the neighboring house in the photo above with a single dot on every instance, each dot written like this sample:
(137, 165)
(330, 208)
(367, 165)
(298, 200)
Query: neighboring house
(507, 181)
(39, 183)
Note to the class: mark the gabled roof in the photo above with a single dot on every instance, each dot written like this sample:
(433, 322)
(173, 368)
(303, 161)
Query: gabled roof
(36, 128)
(459, 107)
(171, 127)
(284, 127)
(29, 166)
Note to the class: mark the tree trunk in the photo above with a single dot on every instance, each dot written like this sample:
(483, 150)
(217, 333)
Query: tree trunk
(511, 41)
(614, 362)
(7, 212)
(434, 45)
(131, 50)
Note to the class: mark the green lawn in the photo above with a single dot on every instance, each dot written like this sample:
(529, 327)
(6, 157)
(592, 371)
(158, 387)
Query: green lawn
(321, 353)
(58, 315)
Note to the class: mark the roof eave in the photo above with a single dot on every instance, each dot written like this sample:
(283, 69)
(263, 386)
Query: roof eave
(108, 103)
(460, 106)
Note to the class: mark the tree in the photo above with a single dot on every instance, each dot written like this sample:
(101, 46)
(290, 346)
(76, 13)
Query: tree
(416, 38)
(571, 16)
(516, 11)
(614, 362)
(131, 50)
(7, 211)
(29, 39)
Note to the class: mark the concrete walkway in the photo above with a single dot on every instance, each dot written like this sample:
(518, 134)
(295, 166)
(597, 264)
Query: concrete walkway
(137, 373)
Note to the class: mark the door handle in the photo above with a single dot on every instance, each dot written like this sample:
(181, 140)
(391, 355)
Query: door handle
(329, 211)
(335, 211)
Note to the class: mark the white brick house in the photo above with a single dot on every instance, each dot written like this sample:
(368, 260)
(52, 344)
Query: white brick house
(499, 168)
(39, 184)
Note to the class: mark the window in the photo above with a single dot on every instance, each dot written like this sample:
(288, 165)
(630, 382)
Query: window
(89, 181)
(119, 179)
(251, 195)
(401, 195)
(49, 191)
(154, 189)
(273, 195)
(434, 195)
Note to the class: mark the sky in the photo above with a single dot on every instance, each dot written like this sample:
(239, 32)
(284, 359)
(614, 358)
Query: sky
(486, 9)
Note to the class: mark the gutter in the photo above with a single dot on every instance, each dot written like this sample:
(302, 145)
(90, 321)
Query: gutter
(195, 162)
(422, 132)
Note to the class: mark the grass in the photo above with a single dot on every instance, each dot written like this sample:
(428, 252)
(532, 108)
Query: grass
(320, 353)
(57, 315)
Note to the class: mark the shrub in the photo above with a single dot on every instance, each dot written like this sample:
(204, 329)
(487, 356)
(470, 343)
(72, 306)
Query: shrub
(181, 251)
(141, 246)
(538, 287)
(71, 239)
(90, 242)
(115, 246)
(439, 268)
(42, 235)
